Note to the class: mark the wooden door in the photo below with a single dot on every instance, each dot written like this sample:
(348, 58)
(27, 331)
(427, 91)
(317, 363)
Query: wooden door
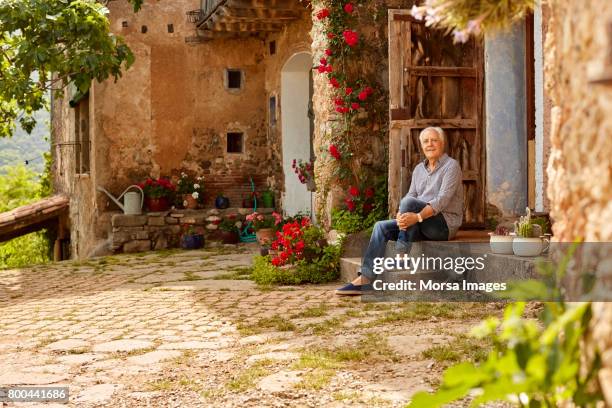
(434, 82)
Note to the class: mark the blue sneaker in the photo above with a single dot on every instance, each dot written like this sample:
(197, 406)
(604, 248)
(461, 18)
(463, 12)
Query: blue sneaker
(353, 290)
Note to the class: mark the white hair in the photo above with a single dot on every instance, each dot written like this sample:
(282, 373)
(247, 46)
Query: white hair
(436, 129)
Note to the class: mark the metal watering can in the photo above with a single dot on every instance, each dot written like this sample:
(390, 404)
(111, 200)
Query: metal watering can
(132, 201)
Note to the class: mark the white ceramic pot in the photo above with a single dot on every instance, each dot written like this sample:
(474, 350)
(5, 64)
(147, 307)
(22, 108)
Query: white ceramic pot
(501, 244)
(529, 246)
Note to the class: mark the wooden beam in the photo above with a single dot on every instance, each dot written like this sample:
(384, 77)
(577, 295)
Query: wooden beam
(241, 27)
(468, 72)
(250, 13)
(443, 123)
(266, 4)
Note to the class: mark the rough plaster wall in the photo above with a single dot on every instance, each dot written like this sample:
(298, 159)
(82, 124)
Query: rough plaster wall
(168, 113)
(293, 39)
(579, 168)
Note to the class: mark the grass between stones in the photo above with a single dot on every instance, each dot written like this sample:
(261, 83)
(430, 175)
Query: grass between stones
(275, 322)
(460, 349)
(323, 362)
(249, 376)
(235, 273)
(167, 384)
(314, 311)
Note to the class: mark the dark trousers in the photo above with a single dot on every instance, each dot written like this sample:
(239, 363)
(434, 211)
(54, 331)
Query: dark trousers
(433, 228)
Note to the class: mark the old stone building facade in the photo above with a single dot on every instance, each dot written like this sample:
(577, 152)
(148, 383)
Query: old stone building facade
(579, 81)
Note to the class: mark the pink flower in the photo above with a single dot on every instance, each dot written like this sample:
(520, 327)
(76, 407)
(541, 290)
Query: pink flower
(349, 8)
(350, 37)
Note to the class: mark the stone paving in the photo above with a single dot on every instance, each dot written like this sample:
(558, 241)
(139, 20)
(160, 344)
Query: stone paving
(186, 329)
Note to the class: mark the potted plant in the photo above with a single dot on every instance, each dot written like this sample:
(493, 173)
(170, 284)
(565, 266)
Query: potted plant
(501, 241)
(528, 240)
(264, 226)
(229, 229)
(157, 193)
(221, 202)
(191, 190)
(305, 173)
(191, 238)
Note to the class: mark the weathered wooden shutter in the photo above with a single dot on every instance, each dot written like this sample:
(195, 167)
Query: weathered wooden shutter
(434, 82)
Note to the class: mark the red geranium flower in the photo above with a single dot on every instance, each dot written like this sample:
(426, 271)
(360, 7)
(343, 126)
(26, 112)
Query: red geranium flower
(322, 69)
(348, 7)
(354, 191)
(333, 150)
(331, 36)
(369, 192)
(350, 204)
(369, 90)
(367, 207)
(329, 68)
(339, 102)
(323, 61)
(328, 52)
(363, 95)
(324, 13)
(334, 82)
(348, 90)
(350, 37)
(277, 261)
(355, 106)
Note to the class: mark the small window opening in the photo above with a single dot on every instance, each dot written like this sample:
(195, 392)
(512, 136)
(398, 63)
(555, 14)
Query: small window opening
(272, 47)
(170, 28)
(144, 29)
(124, 24)
(234, 79)
(234, 142)
(272, 108)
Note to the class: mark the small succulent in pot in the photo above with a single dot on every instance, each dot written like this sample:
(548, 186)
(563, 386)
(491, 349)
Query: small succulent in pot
(501, 230)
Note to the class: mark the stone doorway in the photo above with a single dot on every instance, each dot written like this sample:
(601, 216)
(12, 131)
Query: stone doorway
(295, 102)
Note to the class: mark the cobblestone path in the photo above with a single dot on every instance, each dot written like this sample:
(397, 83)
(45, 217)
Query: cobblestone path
(186, 329)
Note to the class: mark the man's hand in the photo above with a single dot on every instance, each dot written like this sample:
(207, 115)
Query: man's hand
(406, 220)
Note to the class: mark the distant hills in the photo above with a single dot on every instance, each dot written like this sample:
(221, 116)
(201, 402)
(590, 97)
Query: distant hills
(22, 147)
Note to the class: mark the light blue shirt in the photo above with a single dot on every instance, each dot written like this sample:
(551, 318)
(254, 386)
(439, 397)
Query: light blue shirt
(442, 188)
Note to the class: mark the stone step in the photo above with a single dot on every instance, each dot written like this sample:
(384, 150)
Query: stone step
(497, 268)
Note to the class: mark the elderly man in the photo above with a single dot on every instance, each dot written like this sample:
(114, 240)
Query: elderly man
(432, 209)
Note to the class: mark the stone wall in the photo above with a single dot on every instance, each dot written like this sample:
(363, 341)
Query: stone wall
(170, 112)
(163, 230)
(579, 169)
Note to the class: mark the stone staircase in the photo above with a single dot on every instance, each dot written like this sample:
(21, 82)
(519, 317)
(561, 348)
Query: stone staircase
(498, 268)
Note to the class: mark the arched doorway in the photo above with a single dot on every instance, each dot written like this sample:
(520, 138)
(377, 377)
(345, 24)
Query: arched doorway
(297, 126)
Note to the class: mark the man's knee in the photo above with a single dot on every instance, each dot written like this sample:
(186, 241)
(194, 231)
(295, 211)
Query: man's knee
(409, 204)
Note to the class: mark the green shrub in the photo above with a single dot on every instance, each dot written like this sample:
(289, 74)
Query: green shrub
(324, 268)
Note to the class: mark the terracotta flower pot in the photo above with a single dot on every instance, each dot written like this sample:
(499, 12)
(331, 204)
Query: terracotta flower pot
(190, 202)
(265, 236)
(157, 204)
